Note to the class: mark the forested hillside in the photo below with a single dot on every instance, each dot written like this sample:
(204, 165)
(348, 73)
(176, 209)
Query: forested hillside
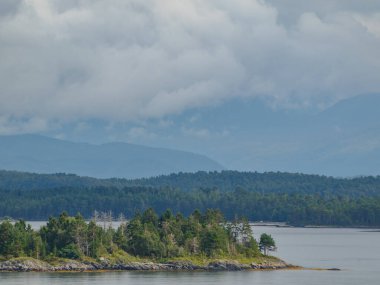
(294, 198)
(268, 182)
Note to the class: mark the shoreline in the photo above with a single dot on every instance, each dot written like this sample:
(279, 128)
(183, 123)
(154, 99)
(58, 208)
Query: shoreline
(34, 265)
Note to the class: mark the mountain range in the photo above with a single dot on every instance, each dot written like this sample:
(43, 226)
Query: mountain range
(242, 134)
(249, 135)
(41, 154)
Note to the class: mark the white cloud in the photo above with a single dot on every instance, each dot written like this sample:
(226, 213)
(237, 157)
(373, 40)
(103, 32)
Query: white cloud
(371, 23)
(11, 126)
(123, 60)
(137, 133)
(203, 133)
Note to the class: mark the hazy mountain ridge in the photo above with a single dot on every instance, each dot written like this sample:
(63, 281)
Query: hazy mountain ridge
(343, 140)
(242, 134)
(34, 153)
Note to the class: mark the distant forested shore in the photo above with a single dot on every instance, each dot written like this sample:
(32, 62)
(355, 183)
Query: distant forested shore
(297, 199)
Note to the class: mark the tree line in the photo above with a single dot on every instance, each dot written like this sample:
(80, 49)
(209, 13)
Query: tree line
(294, 208)
(146, 235)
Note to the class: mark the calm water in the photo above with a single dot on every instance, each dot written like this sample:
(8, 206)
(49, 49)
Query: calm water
(355, 251)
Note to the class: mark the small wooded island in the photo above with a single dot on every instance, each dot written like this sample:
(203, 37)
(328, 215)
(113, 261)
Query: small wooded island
(146, 242)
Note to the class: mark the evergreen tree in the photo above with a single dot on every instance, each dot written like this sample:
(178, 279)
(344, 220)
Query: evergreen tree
(267, 243)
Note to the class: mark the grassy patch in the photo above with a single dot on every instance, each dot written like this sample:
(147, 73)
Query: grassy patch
(121, 256)
(202, 260)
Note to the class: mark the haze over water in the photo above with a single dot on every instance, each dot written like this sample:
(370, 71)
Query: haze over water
(355, 251)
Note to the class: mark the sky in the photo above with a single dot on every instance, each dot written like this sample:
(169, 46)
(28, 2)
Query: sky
(130, 70)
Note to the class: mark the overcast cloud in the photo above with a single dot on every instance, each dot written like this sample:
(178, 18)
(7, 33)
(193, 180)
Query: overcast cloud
(127, 60)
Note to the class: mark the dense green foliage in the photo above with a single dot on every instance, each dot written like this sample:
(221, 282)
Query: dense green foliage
(266, 240)
(294, 198)
(145, 235)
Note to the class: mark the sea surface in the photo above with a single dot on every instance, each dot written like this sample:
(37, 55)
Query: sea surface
(355, 251)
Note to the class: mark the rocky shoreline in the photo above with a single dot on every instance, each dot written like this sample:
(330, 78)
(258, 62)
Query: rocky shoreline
(26, 265)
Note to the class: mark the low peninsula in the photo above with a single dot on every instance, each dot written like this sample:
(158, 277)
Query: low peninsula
(146, 242)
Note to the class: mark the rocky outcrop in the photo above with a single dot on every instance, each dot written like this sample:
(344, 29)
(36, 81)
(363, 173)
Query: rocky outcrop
(273, 264)
(25, 265)
(30, 264)
(228, 265)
